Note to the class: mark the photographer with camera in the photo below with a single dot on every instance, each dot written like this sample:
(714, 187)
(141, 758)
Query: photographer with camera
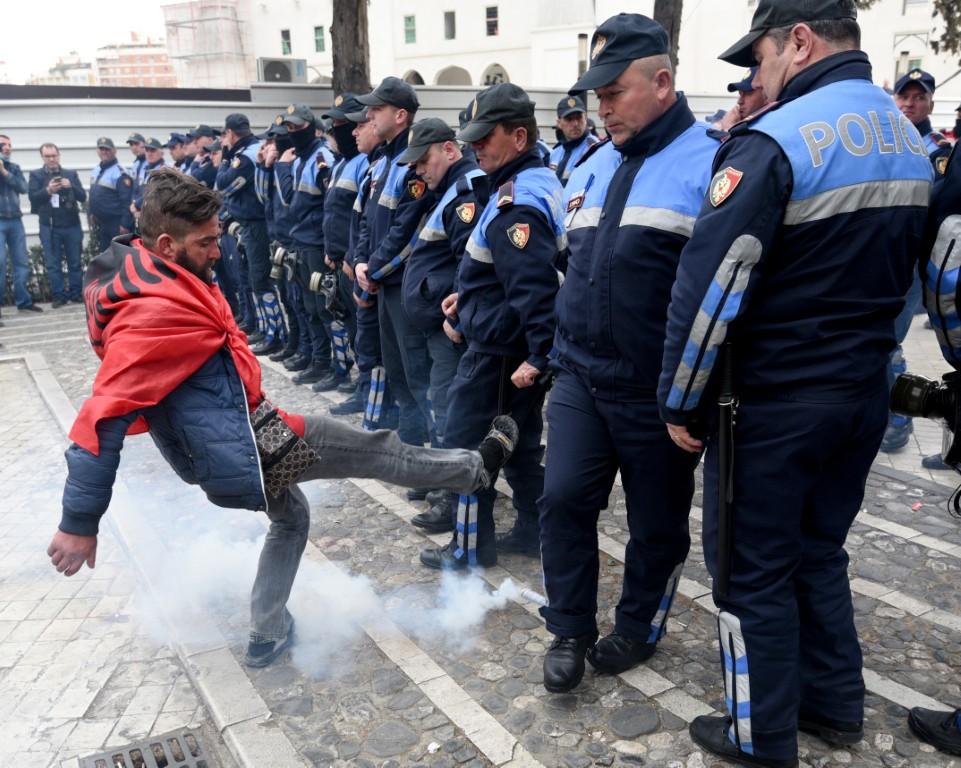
(55, 196)
(12, 234)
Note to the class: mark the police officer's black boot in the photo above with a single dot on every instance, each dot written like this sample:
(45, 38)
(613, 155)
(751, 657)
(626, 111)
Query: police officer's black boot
(297, 362)
(356, 403)
(939, 729)
(284, 354)
(710, 732)
(616, 653)
(439, 518)
(309, 375)
(446, 559)
(330, 381)
(520, 540)
(266, 347)
(564, 662)
(837, 732)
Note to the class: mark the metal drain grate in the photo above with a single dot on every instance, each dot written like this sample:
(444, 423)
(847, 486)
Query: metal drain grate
(177, 749)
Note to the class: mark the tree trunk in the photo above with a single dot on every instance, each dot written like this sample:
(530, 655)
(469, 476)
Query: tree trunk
(350, 47)
(667, 13)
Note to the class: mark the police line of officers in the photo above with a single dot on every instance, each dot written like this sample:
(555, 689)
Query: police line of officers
(461, 274)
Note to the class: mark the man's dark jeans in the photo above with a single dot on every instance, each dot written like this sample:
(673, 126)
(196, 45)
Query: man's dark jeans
(59, 244)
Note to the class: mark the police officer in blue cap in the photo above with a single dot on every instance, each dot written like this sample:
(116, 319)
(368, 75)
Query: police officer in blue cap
(750, 94)
(154, 155)
(631, 204)
(572, 123)
(177, 146)
(111, 188)
(201, 137)
(798, 265)
(504, 307)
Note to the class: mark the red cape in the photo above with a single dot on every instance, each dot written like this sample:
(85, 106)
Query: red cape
(153, 324)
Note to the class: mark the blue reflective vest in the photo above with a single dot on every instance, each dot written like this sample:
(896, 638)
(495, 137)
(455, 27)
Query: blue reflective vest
(308, 185)
(235, 180)
(110, 191)
(345, 180)
(565, 156)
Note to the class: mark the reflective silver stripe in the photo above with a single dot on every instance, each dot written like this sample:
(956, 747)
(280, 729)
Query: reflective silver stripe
(388, 202)
(237, 184)
(949, 239)
(356, 206)
(737, 687)
(349, 184)
(309, 188)
(432, 235)
(663, 219)
(857, 197)
(660, 618)
(583, 217)
(477, 253)
(744, 252)
(561, 241)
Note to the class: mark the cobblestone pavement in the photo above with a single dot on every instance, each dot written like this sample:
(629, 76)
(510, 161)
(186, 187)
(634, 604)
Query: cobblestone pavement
(422, 692)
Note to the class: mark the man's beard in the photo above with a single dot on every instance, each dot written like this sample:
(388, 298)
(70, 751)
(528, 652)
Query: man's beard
(204, 273)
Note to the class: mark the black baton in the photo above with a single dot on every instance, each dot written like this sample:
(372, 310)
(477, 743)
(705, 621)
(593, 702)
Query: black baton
(727, 413)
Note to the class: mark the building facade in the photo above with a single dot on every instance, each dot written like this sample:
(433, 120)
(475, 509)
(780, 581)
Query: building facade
(135, 64)
(69, 70)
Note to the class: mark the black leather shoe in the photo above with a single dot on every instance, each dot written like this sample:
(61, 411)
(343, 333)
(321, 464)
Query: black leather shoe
(497, 447)
(616, 653)
(309, 375)
(564, 662)
(347, 386)
(443, 559)
(262, 654)
(709, 732)
(435, 496)
(255, 338)
(329, 382)
(56, 304)
(357, 403)
(297, 363)
(285, 354)
(937, 728)
(30, 308)
(267, 347)
(417, 494)
(520, 541)
(836, 732)
(438, 519)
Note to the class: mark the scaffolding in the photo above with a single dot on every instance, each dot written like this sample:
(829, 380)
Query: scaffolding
(206, 40)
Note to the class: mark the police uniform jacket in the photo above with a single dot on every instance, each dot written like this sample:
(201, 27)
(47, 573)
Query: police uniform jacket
(140, 187)
(356, 243)
(67, 212)
(937, 146)
(804, 247)
(235, 180)
(398, 202)
(110, 191)
(437, 248)
(204, 171)
(280, 220)
(507, 281)
(303, 184)
(568, 154)
(630, 212)
(345, 180)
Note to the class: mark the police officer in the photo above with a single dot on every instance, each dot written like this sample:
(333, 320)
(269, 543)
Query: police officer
(345, 179)
(135, 141)
(631, 206)
(202, 168)
(750, 94)
(302, 175)
(235, 180)
(572, 124)
(111, 189)
(154, 154)
(504, 307)
(913, 93)
(434, 154)
(398, 202)
(177, 146)
(800, 258)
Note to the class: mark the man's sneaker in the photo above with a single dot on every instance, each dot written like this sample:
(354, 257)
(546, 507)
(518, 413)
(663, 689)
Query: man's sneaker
(564, 662)
(520, 541)
(896, 436)
(496, 448)
(443, 559)
(616, 653)
(934, 461)
(30, 308)
(710, 733)
(939, 729)
(836, 732)
(262, 654)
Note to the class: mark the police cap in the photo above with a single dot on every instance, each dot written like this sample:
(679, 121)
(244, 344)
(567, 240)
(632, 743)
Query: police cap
(358, 117)
(570, 105)
(783, 13)
(393, 91)
(745, 84)
(274, 130)
(299, 115)
(501, 103)
(616, 43)
(135, 138)
(463, 116)
(200, 130)
(422, 134)
(175, 139)
(344, 106)
(918, 76)
(236, 122)
(214, 146)
(152, 143)
(105, 142)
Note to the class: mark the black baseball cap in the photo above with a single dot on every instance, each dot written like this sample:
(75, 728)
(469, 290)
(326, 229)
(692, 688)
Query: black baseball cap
(463, 116)
(275, 129)
(393, 91)
(152, 143)
(616, 43)
(105, 141)
(214, 146)
(236, 121)
(745, 84)
(200, 130)
(423, 133)
(299, 115)
(358, 117)
(344, 107)
(500, 103)
(784, 13)
(175, 139)
(570, 105)
(135, 138)
(918, 76)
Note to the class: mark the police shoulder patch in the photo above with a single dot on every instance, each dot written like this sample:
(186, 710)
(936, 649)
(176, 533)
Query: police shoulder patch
(466, 212)
(519, 234)
(505, 195)
(126, 181)
(940, 165)
(235, 163)
(416, 188)
(723, 185)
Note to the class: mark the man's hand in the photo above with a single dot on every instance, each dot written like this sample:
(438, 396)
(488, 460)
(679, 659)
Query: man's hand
(68, 552)
(270, 155)
(348, 270)
(682, 439)
(363, 281)
(53, 187)
(449, 307)
(362, 302)
(525, 375)
(329, 262)
(64, 183)
(288, 156)
(455, 336)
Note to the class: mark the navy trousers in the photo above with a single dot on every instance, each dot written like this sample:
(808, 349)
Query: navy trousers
(589, 440)
(311, 260)
(786, 627)
(482, 383)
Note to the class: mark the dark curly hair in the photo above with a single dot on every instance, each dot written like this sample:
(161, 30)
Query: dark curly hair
(175, 203)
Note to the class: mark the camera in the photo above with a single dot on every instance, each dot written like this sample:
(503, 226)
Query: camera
(234, 230)
(325, 283)
(278, 261)
(914, 395)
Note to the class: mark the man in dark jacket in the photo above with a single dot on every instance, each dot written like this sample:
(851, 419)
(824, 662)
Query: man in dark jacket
(12, 235)
(203, 405)
(55, 196)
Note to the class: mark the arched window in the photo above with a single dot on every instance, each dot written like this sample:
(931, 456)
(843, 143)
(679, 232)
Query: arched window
(413, 77)
(453, 75)
(494, 74)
